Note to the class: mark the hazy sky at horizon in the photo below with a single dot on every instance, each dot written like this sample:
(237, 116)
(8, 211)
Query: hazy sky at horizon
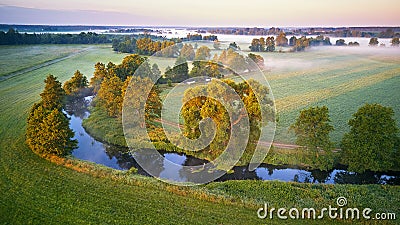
(203, 12)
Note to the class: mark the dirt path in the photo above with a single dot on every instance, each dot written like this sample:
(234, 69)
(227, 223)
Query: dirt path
(48, 63)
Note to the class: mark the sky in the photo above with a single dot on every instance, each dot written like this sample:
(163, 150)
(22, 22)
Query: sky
(241, 13)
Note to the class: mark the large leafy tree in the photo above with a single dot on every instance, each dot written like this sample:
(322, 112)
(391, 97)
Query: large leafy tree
(270, 44)
(197, 108)
(301, 44)
(371, 142)
(395, 42)
(187, 52)
(281, 39)
(179, 72)
(205, 68)
(152, 104)
(202, 53)
(53, 95)
(76, 84)
(48, 129)
(110, 95)
(312, 129)
(373, 41)
(256, 46)
(128, 66)
(100, 72)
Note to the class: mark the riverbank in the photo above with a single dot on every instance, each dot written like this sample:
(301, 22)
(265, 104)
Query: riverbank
(109, 130)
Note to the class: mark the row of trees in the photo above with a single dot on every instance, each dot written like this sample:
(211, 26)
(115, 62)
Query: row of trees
(395, 42)
(298, 44)
(229, 61)
(199, 37)
(195, 109)
(371, 144)
(145, 46)
(110, 82)
(12, 37)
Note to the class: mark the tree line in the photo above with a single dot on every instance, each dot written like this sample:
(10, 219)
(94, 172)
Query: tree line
(368, 32)
(300, 44)
(13, 37)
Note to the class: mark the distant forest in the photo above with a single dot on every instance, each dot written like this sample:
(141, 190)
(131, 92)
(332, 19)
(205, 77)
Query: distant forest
(13, 37)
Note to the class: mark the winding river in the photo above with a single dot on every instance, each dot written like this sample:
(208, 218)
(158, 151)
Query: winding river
(119, 158)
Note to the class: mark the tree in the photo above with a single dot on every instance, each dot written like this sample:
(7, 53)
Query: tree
(373, 41)
(156, 73)
(48, 129)
(258, 59)
(301, 44)
(371, 141)
(256, 45)
(202, 53)
(187, 52)
(128, 66)
(52, 134)
(205, 68)
(197, 108)
(281, 40)
(100, 72)
(312, 129)
(53, 95)
(395, 42)
(76, 84)
(179, 72)
(233, 46)
(110, 95)
(270, 44)
(153, 104)
(340, 42)
(144, 70)
(235, 61)
(354, 43)
(292, 41)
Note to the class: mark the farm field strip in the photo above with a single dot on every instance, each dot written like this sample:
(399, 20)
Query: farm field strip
(313, 82)
(328, 67)
(296, 101)
(32, 55)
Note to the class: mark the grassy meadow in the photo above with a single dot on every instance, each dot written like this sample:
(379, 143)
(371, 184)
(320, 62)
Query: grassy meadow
(38, 191)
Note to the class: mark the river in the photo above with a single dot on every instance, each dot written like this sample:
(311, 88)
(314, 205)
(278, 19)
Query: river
(120, 158)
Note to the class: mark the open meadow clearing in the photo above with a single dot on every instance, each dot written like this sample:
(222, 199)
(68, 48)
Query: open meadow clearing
(37, 191)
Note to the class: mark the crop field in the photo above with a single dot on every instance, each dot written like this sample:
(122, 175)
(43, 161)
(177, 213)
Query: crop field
(29, 56)
(38, 191)
(343, 80)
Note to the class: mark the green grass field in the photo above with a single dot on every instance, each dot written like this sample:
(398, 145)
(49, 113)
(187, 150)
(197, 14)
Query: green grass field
(37, 191)
(29, 56)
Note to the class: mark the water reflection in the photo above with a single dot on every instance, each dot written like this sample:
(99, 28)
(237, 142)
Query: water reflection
(120, 158)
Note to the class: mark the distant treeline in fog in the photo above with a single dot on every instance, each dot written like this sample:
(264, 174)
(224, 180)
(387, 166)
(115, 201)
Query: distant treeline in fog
(12, 37)
(379, 32)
